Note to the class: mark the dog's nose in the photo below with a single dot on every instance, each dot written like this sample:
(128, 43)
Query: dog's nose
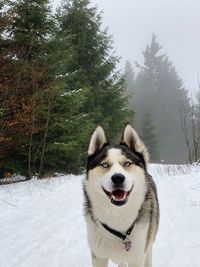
(118, 179)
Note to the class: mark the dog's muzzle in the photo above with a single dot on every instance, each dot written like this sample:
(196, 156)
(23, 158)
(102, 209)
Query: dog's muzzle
(118, 196)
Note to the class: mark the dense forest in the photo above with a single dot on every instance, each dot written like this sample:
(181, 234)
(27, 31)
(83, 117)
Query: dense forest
(59, 79)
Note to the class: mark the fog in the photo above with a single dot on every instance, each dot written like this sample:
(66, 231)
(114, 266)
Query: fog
(175, 23)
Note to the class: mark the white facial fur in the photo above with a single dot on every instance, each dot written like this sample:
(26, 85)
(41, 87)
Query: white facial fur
(100, 177)
(116, 158)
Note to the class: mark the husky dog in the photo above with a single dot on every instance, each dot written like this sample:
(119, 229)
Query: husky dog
(121, 205)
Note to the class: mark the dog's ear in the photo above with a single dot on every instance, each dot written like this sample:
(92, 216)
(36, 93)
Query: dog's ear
(97, 141)
(131, 139)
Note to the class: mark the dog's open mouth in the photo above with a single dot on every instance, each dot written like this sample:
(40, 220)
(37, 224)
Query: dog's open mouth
(118, 197)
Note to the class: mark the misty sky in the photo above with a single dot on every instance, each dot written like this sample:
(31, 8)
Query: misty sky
(176, 24)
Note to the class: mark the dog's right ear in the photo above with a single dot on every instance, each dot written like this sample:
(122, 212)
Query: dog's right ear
(97, 141)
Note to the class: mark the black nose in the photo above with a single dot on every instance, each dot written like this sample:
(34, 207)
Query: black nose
(118, 179)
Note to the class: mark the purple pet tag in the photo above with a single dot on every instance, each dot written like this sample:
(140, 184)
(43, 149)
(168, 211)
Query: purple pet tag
(127, 243)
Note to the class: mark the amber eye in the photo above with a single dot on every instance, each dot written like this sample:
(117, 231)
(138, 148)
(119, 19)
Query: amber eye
(105, 165)
(127, 163)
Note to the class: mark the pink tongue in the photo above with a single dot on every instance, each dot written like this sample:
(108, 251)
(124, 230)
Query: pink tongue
(119, 194)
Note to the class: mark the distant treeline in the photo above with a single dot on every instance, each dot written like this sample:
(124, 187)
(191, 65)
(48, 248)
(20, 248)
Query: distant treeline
(58, 80)
(167, 119)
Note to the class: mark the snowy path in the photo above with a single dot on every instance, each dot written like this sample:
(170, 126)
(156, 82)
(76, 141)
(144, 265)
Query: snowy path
(41, 222)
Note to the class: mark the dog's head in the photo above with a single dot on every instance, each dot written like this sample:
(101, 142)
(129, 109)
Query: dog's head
(116, 172)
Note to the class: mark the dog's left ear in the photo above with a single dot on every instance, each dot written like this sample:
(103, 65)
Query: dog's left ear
(131, 139)
(97, 141)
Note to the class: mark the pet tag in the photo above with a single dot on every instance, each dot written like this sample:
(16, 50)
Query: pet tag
(127, 243)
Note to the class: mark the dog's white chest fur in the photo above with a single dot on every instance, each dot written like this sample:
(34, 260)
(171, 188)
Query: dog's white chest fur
(106, 245)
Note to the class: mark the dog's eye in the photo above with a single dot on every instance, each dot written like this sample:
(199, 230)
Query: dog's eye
(105, 165)
(127, 163)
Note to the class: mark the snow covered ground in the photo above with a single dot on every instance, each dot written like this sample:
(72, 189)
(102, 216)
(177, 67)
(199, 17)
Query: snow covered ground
(41, 222)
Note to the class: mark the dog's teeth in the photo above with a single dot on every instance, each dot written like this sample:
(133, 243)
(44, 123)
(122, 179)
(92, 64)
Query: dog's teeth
(114, 197)
(118, 199)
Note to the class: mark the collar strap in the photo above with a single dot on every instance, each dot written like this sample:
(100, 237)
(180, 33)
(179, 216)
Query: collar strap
(118, 234)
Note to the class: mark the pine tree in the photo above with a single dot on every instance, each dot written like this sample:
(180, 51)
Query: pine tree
(129, 78)
(93, 65)
(31, 84)
(92, 93)
(159, 90)
(5, 75)
(149, 136)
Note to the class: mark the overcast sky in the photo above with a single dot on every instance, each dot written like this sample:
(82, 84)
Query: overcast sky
(176, 24)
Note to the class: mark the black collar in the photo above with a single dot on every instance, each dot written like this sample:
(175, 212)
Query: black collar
(118, 234)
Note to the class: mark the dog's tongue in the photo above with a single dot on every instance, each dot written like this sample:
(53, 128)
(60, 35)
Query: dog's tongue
(119, 194)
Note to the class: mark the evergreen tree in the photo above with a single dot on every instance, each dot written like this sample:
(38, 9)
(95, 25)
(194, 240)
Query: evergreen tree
(5, 75)
(159, 90)
(129, 78)
(93, 65)
(31, 86)
(149, 136)
(92, 93)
